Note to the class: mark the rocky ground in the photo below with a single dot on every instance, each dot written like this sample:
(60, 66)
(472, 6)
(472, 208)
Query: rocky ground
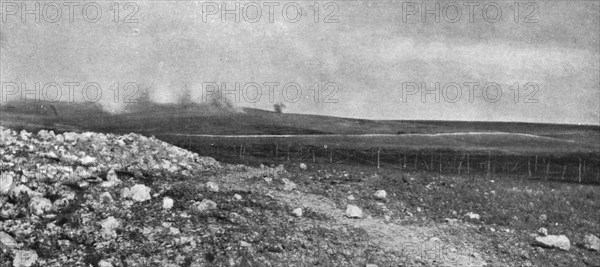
(94, 199)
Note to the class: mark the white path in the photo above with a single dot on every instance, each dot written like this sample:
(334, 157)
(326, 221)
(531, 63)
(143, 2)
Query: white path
(372, 135)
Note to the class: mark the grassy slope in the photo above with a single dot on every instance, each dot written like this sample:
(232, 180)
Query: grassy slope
(193, 119)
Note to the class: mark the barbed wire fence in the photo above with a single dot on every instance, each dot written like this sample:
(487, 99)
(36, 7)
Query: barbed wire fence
(579, 168)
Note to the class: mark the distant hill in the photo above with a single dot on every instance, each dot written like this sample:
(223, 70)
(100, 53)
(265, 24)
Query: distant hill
(162, 119)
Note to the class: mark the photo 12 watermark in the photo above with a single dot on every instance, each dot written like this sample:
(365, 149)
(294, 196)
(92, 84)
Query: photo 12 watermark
(454, 92)
(469, 11)
(70, 91)
(69, 11)
(131, 92)
(270, 11)
(271, 91)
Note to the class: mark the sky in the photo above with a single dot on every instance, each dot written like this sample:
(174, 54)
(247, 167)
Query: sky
(388, 60)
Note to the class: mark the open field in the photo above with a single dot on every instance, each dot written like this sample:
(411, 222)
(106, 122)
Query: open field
(420, 222)
(472, 159)
(516, 150)
(169, 121)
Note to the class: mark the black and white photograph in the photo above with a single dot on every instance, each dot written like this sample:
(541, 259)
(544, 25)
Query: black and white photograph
(369, 133)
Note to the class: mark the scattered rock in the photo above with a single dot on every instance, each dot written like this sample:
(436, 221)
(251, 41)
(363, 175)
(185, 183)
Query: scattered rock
(451, 221)
(104, 263)
(288, 185)
(353, 211)
(20, 190)
(381, 194)
(280, 168)
(473, 216)
(591, 242)
(351, 197)
(371, 265)
(7, 241)
(297, 212)
(106, 197)
(45, 135)
(543, 218)
(69, 136)
(125, 193)
(109, 225)
(87, 160)
(25, 258)
(174, 231)
(303, 166)
(6, 182)
(237, 197)
(24, 135)
(212, 186)
(554, 241)
(39, 205)
(205, 205)
(244, 244)
(167, 203)
(543, 231)
(111, 179)
(140, 193)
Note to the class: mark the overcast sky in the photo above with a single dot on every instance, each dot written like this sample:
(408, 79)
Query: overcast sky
(369, 54)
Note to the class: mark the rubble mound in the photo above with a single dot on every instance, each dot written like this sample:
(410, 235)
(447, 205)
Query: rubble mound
(57, 190)
(93, 199)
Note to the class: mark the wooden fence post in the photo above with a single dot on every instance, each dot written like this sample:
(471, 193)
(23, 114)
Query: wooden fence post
(400, 162)
(452, 164)
(547, 170)
(440, 163)
(468, 166)
(417, 160)
(313, 155)
(563, 173)
(488, 165)
(378, 151)
(535, 169)
(460, 164)
(432, 168)
(529, 167)
(579, 175)
(331, 155)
